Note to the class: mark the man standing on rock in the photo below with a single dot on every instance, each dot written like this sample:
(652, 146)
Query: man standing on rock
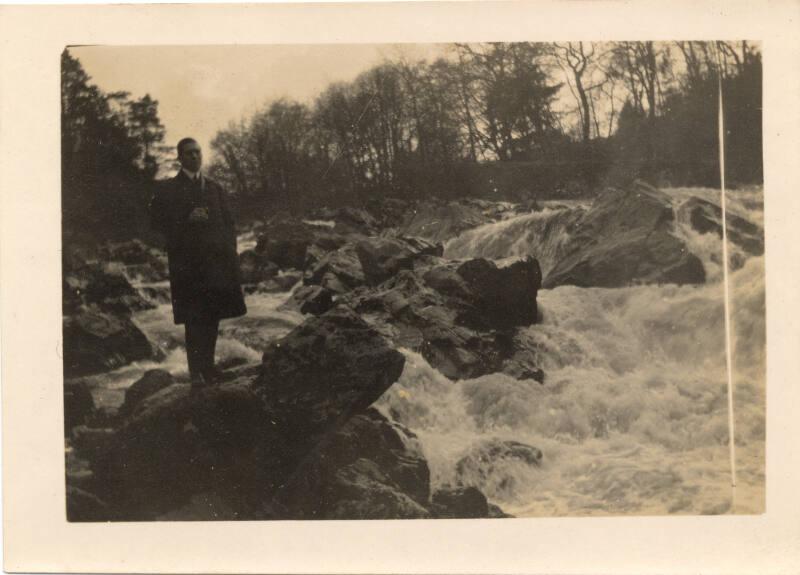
(193, 214)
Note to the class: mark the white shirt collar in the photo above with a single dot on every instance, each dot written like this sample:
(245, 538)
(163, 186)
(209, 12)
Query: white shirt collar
(191, 175)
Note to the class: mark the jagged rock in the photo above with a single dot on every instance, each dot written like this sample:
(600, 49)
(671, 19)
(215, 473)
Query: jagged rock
(381, 258)
(309, 299)
(706, 217)
(338, 271)
(460, 502)
(103, 286)
(330, 368)
(370, 469)
(96, 341)
(463, 326)
(320, 301)
(242, 439)
(153, 381)
(506, 297)
(625, 238)
(78, 404)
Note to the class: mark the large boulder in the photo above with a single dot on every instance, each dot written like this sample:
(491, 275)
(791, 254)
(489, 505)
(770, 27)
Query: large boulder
(325, 371)
(382, 258)
(370, 469)
(626, 238)
(103, 285)
(461, 318)
(706, 217)
(95, 341)
(504, 297)
(239, 441)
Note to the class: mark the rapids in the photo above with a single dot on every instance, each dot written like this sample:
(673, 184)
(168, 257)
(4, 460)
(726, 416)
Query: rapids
(632, 417)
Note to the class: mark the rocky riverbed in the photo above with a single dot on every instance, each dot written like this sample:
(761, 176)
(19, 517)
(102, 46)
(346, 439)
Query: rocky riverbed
(397, 360)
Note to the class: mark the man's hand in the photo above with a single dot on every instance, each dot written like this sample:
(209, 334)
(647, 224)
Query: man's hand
(199, 215)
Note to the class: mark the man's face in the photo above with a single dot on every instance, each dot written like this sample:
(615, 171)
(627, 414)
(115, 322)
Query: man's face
(191, 157)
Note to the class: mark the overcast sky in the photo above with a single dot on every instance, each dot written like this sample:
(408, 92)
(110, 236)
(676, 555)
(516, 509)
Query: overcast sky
(200, 89)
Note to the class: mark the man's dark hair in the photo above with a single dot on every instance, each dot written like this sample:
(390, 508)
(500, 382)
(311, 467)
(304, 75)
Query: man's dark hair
(185, 142)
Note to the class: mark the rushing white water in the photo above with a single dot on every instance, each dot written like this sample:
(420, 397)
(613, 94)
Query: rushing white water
(541, 234)
(632, 417)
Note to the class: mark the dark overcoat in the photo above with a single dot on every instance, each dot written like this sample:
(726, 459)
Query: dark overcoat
(203, 261)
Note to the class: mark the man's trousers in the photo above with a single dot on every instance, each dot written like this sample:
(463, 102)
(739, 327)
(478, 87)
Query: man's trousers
(201, 343)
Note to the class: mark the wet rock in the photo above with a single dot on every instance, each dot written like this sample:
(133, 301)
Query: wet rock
(242, 439)
(153, 381)
(505, 297)
(78, 404)
(310, 299)
(370, 469)
(460, 503)
(102, 285)
(381, 258)
(95, 341)
(706, 217)
(463, 324)
(330, 368)
(626, 238)
(338, 271)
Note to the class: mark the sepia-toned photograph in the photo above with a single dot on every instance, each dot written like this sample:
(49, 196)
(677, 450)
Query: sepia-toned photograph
(413, 281)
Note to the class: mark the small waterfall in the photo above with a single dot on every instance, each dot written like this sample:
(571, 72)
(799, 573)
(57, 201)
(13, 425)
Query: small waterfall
(543, 235)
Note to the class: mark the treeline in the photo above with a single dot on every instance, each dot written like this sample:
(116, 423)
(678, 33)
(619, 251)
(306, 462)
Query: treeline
(111, 149)
(504, 120)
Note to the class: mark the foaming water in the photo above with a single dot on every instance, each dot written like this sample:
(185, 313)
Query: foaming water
(241, 340)
(632, 417)
(541, 234)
